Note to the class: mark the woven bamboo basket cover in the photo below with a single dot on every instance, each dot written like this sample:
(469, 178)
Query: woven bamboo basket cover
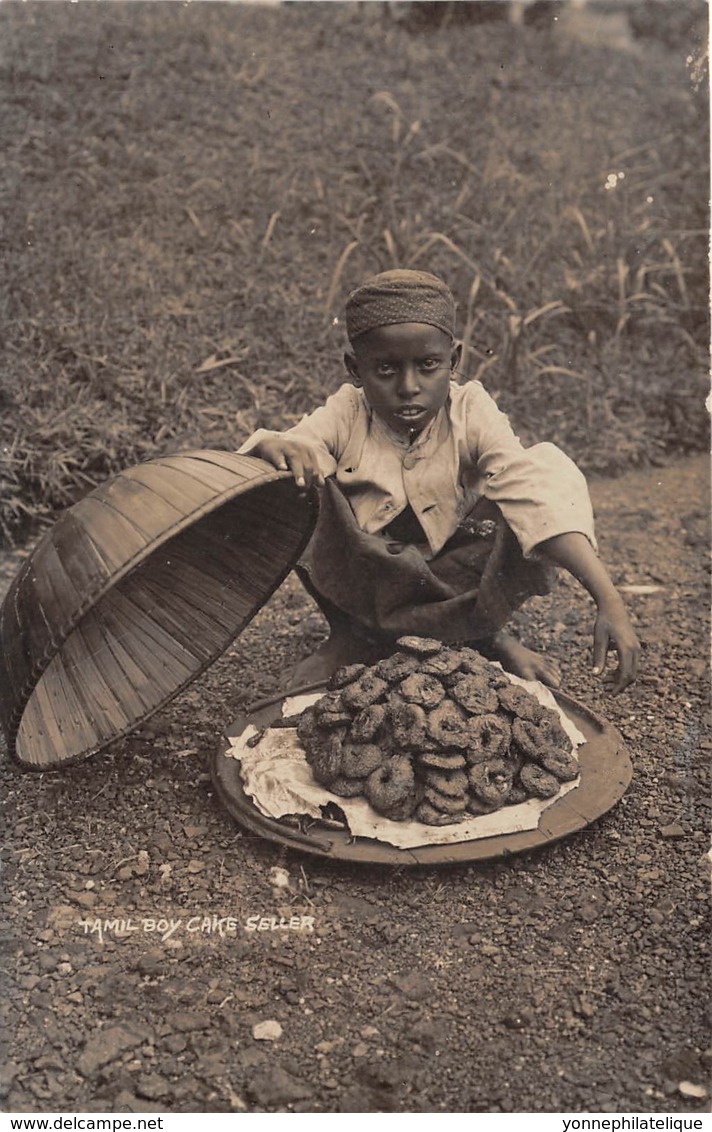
(135, 591)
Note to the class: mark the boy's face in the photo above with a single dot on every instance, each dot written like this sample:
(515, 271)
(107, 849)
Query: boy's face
(405, 372)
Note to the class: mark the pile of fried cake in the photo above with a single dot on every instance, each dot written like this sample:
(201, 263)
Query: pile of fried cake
(434, 734)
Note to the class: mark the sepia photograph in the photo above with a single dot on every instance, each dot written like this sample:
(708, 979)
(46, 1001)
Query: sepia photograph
(354, 559)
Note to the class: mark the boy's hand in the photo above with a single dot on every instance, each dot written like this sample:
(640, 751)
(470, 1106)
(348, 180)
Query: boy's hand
(284, 453)
(613, 629)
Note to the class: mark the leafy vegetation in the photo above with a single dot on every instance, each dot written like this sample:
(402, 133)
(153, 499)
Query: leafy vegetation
(191, 190)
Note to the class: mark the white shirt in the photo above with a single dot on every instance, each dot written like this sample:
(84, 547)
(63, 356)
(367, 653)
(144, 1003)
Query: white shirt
(468, 450)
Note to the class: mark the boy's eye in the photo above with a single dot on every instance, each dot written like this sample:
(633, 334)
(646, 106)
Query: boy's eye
(430, 364)
(386, 369)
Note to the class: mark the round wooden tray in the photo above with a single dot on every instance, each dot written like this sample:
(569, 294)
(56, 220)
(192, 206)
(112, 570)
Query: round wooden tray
(606, 771)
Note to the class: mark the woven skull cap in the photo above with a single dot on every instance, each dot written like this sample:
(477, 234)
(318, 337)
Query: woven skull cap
(400, 296)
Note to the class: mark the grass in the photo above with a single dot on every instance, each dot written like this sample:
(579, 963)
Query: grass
(191, 190)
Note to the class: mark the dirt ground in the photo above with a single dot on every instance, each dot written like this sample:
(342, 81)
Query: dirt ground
(573, 978)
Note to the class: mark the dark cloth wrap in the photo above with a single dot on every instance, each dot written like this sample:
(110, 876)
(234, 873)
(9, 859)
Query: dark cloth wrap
(466, 592)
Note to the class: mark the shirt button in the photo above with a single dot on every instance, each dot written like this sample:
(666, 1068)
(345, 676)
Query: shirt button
(409, 463)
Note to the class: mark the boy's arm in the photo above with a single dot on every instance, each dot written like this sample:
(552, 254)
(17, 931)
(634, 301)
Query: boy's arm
(539, 490)
(544, 498)
(311, 448)
(574, 552)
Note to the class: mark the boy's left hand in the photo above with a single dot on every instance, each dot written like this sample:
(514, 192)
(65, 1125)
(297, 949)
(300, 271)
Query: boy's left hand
(614, 630)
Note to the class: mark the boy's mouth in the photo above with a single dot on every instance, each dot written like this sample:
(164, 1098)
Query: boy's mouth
(409, 412)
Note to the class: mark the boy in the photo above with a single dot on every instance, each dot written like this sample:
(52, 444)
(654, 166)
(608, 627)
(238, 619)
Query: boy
(434, 519)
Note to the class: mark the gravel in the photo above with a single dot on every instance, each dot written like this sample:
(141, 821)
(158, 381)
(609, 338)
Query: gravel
(574, 978)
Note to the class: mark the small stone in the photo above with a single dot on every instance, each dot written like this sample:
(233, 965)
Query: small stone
(142, 865)
(655, 916)
(212, 1064)
(359, 1050)
(369, 1032)
(674, 829)
(126, 1101)
(152, 1085)
(681, 1065)
(85, 899)
(428, 1034)
(328, 1047)
(590, 910)
(517, 1019)
(268, 1031)
(192, 831)
(48, 1061)
(413, 985)
(584, 1007)
(183, 1021)
(690, 1089)
(150, 963)
(8, 1072)
(276, 1088)
(175, 1043)
(106, 1046)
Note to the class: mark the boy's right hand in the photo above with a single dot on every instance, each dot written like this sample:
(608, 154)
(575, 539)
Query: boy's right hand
(300, 458)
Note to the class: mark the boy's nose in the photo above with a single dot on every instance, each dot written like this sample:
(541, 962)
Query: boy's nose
(408, 384)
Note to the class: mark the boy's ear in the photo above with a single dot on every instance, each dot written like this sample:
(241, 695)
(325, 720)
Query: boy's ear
(456, 356)
(352, 367)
